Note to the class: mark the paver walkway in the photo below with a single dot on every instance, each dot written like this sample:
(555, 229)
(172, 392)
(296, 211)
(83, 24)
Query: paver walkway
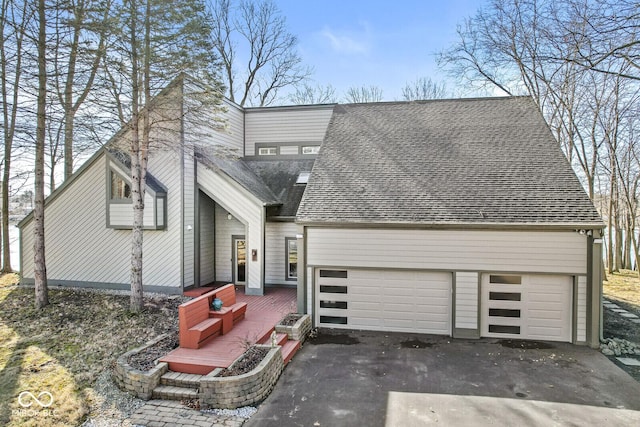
(162, 413)
(621, 311)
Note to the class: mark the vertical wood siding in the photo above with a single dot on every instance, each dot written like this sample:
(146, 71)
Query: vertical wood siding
(225, 228)
(207, 240)
(245, 208)
(466, 300)
(294, 124)
(474, 250)
(276, 252)
(79, 246)
(581, 328)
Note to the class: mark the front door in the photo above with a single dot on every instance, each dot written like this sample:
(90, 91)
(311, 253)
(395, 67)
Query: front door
(239, 260)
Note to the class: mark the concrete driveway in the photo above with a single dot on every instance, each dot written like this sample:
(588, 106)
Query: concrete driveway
(382, 379)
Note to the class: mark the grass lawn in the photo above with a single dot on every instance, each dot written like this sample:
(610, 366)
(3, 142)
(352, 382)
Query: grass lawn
(63, 348)
(623, 289)
(623, 286)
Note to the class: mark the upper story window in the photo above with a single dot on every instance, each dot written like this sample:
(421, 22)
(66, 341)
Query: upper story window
(267, 151)
(311, 149)
(120, 189)
(119, 214)
(303, 178)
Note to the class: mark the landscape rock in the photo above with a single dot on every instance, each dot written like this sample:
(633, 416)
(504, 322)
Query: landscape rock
(618, 347)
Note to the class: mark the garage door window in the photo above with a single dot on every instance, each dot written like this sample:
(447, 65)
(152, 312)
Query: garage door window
(504, 279)
(335, 274)
(529, 306)
(504, 309)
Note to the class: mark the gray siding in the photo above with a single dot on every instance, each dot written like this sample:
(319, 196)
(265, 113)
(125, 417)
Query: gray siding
(245, 208)
(453, 250)
(225, 228)
(79, 246)
(207, 240)
(233, 134)
(275, 252)
(121, 214)
(466, 300)
(289, 124)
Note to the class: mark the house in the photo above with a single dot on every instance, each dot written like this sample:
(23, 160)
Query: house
(453, 217)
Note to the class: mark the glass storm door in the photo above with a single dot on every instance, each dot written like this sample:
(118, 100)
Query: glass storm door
(240, 260)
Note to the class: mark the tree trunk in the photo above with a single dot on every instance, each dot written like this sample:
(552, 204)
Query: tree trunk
(136, 300)
(628, 263)
(610, 238)
(6, 241)
(618, 255)
(40, 270)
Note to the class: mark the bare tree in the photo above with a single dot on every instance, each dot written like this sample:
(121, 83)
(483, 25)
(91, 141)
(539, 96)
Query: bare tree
(158, 41)
(40, 269)
(307, 95)
(14, 18)
(611, 33)
(257, 29)
(363, 94)
(424, 88)
(80, 31)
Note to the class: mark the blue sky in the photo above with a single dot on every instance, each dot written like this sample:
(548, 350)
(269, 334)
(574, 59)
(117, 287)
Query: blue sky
(375, 42)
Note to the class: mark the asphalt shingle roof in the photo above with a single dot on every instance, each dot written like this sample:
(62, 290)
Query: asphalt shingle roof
(280, 176)
(465, 161)
(219, 160)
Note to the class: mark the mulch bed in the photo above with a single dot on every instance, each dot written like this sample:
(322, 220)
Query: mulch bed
(145, 360)
(247, 362)
(290, 319)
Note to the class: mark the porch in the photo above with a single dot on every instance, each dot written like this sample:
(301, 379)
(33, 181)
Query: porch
(263, 313)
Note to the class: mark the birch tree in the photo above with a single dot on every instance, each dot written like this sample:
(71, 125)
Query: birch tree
(40, 269)
(158, 41)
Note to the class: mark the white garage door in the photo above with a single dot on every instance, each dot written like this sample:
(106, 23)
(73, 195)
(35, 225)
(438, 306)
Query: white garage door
(389, 300)
(527, 306)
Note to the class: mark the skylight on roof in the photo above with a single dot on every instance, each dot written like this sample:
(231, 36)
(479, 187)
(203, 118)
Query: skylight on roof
(303, 178)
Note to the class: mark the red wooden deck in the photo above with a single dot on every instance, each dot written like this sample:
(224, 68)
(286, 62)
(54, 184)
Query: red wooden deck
(263, 312)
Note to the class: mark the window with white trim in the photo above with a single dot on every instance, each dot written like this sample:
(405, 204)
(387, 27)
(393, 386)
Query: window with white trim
(311, 149)
(267, 151)
(292, 258)
(120, 189)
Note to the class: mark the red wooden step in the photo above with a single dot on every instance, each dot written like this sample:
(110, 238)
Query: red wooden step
(289, 349)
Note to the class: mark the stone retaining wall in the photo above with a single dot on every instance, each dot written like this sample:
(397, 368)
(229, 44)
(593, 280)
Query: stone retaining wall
(242, 390)
(299, 330)
(139, 383)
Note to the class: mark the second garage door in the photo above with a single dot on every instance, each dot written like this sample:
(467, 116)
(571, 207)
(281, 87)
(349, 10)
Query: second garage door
(388, 300)
(534, 307)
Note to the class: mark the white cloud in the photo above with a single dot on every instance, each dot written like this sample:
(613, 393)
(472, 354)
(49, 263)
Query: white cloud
(348, 42)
